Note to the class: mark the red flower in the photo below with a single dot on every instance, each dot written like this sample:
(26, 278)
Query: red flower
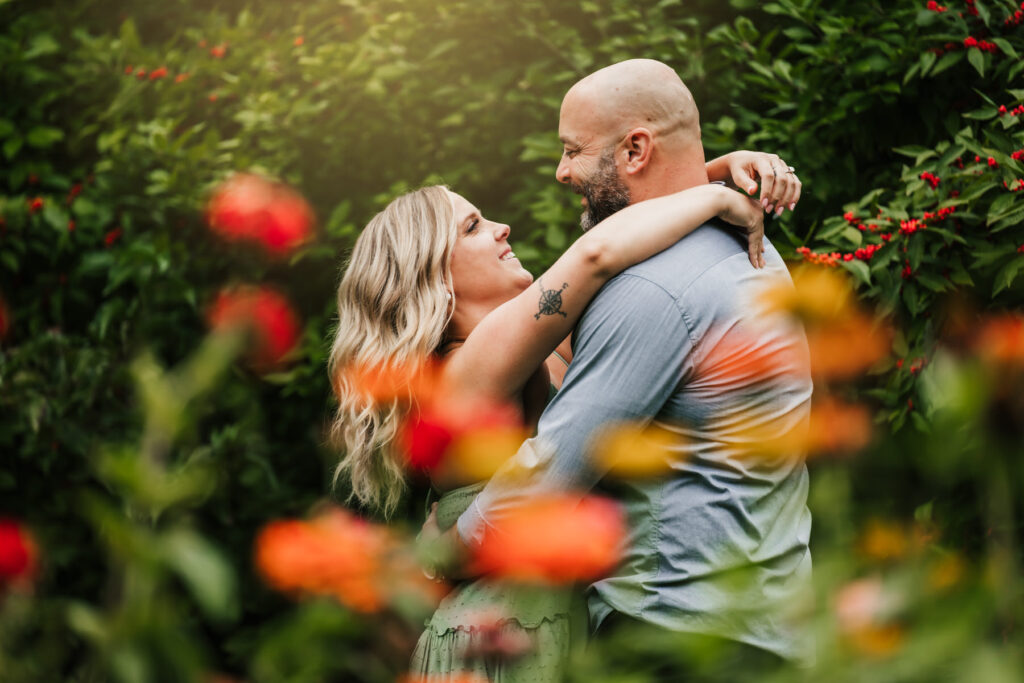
(157, 74)
(219, 51)
(17, 554)
(554, 540)
(250, 207)
(129, 69)
(298, 41)
(265, 313)
(936, 7)
(111, 237)
(181, 78)
(970, 41)
(141, 73)
(71, 226)
(35, 204)
(5, 319)
(425, 439)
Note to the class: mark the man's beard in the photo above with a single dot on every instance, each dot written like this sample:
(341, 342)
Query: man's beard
(605, 192)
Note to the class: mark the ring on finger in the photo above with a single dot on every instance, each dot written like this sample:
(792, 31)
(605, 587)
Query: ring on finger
(790, 169)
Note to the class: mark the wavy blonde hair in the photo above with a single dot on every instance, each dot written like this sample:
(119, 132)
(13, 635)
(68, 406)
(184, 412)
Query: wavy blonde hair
(393, 309)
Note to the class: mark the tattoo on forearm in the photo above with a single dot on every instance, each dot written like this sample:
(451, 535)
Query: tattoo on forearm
(550, 300)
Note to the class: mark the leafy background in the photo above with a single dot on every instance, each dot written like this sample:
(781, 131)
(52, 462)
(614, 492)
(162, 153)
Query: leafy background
(351, 102)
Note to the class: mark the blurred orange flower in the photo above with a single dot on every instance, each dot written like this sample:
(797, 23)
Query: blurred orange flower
(559, 539)
(298, 41)
(1000, 340)
(336, 554)
(844, 341)
(861, 609)
(18, 555)
(847, 347)
(389, 382)
(218, 51)
(250, 207)
(834, 427)
(634, 450)
(264, 312)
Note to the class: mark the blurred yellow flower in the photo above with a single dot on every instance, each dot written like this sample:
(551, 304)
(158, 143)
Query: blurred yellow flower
(883, 541)
(636, 451)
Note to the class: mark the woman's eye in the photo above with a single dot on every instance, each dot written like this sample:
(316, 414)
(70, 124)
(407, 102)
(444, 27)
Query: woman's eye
(472, 226)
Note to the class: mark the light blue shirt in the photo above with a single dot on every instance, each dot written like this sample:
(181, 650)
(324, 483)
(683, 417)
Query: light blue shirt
(720, 546)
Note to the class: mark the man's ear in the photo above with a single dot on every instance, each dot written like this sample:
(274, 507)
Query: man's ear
(637, 147)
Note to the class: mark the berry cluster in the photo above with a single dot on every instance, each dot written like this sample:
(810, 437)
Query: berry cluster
(931, 179)
(1016, 111)
(983, 45)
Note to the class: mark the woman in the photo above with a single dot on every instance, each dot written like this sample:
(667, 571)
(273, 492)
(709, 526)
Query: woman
(430, 276)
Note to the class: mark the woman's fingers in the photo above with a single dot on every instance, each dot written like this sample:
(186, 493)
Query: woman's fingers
(768, 179)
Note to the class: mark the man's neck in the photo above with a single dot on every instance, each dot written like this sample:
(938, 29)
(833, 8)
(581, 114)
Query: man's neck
(669, 178)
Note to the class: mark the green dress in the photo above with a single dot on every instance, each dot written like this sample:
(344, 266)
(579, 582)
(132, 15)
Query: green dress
(553, 620)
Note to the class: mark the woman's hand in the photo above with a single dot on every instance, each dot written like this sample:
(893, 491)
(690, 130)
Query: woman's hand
(746, 213)
(780, 188)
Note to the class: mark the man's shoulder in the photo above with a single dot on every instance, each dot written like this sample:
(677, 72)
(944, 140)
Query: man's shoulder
(691, 258)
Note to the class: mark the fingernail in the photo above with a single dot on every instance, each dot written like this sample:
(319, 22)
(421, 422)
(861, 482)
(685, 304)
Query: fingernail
(770, 207)
(792, 206)
(778, 211)
(764, 202)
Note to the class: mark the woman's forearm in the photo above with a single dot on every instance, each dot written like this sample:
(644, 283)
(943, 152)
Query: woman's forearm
(641, 230)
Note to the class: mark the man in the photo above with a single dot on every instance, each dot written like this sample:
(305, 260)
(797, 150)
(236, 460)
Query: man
(720, 545)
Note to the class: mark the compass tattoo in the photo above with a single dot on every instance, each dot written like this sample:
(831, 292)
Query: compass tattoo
(550, 301)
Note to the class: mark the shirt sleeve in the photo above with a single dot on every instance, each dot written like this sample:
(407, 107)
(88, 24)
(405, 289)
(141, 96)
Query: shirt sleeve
(632, 349)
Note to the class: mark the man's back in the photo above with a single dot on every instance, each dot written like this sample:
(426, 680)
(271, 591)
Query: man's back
(721, 544)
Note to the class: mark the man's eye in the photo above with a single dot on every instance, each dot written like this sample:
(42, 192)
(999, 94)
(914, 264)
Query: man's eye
(570, 153)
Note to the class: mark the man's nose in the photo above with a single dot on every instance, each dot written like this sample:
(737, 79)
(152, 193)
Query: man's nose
(562, 172)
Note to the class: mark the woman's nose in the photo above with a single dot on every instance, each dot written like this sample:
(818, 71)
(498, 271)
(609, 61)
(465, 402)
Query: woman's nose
(501, 231)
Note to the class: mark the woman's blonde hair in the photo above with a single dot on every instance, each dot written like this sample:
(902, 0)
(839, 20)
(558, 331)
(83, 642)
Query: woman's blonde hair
(394, 306)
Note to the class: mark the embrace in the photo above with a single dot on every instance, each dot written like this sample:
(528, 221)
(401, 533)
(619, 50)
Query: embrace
(648, 316)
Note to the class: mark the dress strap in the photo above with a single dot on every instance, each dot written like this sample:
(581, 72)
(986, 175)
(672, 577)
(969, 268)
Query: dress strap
(560, 357)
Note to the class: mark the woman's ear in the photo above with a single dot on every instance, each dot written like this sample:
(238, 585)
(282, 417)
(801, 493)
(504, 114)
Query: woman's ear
(637, 146)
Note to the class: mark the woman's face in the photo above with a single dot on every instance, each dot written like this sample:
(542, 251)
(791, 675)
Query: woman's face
(484, 268)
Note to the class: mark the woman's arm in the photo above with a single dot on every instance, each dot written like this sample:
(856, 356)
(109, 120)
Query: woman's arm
(511, 342)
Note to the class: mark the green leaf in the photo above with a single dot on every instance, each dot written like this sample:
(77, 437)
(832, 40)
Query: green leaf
(977, 60)
(204, 570)
(1006, 47)
(42, 137)
(11, 147)
(1007, 274)
(41, 45)
(6, 128)
(947, 60)
(859, 269)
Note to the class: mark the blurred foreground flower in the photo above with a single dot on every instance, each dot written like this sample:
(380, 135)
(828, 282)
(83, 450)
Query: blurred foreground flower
(467, 435)
(834, 426)
(1000, 341)
(466, 438)
(263, 312)
(250, 207)
(18, 556)
(336, 554)
(446, 678)
(844, 340)
(636, 451)
(554, 540)
(5, 318)
(864, 614)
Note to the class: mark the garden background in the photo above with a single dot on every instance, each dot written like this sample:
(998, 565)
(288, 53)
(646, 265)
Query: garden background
(119, 119)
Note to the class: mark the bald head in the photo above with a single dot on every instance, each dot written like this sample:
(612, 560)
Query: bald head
(636, 93)
(632, 129)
